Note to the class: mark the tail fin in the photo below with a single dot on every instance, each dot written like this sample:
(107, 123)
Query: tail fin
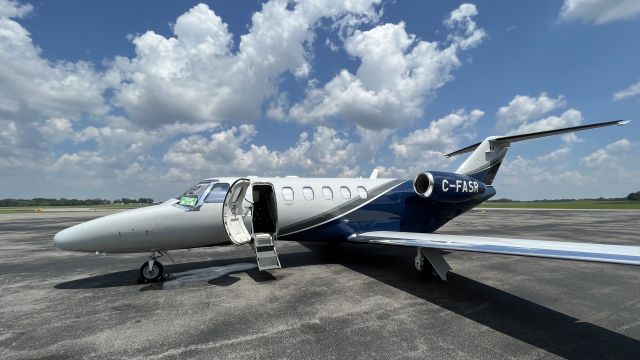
(487, 156)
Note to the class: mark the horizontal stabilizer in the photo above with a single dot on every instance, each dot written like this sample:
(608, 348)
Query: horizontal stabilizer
(618, 254)
(539, 134)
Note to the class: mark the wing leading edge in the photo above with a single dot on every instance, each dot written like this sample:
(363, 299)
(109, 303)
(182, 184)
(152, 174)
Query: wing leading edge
(618, 254)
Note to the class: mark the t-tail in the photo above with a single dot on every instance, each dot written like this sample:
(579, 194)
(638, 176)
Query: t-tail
(487, 156)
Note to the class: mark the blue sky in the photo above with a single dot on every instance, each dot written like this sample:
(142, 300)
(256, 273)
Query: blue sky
(112, 99)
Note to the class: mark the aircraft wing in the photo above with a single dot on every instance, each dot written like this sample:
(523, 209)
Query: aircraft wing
(618, 254)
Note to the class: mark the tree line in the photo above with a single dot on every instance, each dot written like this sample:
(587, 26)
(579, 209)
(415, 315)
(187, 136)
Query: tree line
(632, 197)
(70, 202)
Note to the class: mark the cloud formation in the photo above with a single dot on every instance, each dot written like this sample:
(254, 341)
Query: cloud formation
(523, 114)
(233, 151)
(606, 157)
(600, 11)
(196, 77)
(425, 148)
(413, 70)
(632, 90)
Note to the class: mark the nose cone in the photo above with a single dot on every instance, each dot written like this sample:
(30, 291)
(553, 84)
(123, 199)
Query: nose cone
(127, 231)
(68, 239)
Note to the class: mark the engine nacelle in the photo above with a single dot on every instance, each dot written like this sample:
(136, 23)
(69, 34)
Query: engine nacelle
(447, 187)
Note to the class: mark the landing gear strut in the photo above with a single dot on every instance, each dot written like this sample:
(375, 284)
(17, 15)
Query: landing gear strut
(152, 270)
(432, 263)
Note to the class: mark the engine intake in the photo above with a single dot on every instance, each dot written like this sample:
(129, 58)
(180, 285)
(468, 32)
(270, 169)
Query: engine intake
(447, 187)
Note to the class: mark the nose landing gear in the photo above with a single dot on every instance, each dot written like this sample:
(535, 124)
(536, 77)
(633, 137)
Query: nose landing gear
(152, 270)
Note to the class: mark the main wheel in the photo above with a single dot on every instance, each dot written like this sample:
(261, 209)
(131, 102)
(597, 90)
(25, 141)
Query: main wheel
(153, 275)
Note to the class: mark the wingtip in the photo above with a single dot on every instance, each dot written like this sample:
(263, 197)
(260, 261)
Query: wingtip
(623, 122)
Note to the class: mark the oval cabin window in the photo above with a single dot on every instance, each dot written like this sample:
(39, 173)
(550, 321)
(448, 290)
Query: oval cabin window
(327, 192)
(346, 193)
(287, 193)
(362, 192)
(307, 192)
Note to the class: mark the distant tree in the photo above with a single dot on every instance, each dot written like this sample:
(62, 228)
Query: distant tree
(634, 196)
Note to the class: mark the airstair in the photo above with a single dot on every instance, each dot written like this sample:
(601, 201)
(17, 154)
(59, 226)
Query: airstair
(264, 220)
(266, 252)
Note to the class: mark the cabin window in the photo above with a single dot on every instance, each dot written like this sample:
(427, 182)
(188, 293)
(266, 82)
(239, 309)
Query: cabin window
(217, 193)
(346, 193)
(327, 192)
(362, 192)
(307, 192)
(287, 193)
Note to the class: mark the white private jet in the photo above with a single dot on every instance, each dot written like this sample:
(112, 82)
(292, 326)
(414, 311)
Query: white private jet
(402, 212)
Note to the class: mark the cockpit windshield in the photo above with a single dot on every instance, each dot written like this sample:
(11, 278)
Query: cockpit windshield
(193, 194)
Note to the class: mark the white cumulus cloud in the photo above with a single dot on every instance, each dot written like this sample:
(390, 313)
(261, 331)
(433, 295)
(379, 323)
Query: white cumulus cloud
(424, 148)
(600, 11)
(607, 156)
(195, 76)
(632, 90)
(397, 73)
(32, 87)
(523, 114)
(324, 152)
(571, 117)
(522, 109)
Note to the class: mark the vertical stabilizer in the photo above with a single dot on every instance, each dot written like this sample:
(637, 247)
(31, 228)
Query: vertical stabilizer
(484, 162)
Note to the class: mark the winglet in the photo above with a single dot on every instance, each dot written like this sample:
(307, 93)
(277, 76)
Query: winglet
(374, 174)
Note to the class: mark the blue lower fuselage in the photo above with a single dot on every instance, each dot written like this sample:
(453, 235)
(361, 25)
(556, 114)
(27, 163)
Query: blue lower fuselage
(399, 209)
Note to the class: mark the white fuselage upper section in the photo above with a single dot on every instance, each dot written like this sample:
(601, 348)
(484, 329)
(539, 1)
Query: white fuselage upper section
(170, 226)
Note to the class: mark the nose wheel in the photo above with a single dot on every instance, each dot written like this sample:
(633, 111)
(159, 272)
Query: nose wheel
(151, 275)
(152, 270)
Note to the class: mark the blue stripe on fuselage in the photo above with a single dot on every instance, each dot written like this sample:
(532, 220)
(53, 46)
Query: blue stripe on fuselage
(400, 209)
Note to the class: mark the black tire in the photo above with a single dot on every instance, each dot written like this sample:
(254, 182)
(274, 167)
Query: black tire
(152, 276)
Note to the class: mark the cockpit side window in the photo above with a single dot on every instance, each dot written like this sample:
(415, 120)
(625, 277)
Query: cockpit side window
(196, 190)
(217, 193)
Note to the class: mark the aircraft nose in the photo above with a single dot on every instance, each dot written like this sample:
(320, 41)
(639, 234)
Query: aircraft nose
(63, 239)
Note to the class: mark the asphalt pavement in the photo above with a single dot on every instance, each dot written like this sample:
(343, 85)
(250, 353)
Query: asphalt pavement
(327, 302)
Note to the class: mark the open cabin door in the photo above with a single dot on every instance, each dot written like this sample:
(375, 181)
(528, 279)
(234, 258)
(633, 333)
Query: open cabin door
(233, 212)
(264, 219)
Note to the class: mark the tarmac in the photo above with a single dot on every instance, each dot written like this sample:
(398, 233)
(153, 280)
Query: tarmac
(327, 302)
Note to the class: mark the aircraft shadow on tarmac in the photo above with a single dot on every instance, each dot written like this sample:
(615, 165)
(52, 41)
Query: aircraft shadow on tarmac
(501, 311)
(214, 272)
(506, 313)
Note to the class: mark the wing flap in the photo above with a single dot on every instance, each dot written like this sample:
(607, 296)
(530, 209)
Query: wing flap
(618, 254)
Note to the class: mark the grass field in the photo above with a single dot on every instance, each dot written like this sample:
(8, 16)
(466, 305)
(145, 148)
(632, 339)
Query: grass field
(577, 204)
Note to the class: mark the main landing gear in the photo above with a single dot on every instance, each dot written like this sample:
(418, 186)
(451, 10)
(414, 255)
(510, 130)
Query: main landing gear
(432, 264)
(152, 270)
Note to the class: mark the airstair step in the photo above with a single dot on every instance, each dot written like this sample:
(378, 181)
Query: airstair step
(266, 254)
(268, 262)
(263, 240)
